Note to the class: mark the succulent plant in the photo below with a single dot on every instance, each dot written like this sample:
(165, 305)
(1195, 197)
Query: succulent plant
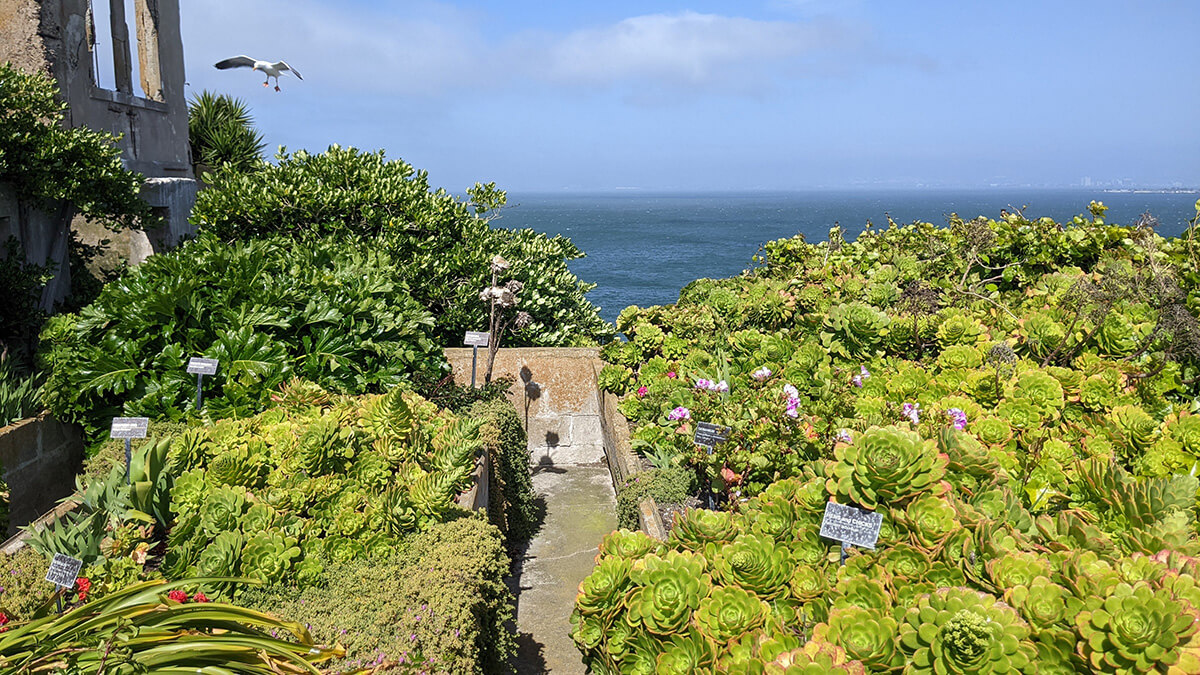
(1017, 568)
(808, 582)
(959, 328)
(1043, 603)
(886, 466)
(615, 379)
(628, 544)
(269, 556)
(867, 635)
(857, 590)
(727, 613)
(685, 654)
(1041, 333)
(1039, 389)
(957, 630)
(814, 658)
(667, 590)
(1138, 629)
(1186, 430)
(697, 527)
(854, 330)
(587, 631)
(601, 591)
(1135, 425)
(237, 467)
(222, 511)
(774, 518)
(756, 563)
(1020, 414)
(992, 430)
(222, 557)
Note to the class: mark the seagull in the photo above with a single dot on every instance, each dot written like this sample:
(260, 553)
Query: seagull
(270, 69)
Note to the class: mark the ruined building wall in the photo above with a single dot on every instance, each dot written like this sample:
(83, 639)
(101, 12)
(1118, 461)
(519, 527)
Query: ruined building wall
(57, 37)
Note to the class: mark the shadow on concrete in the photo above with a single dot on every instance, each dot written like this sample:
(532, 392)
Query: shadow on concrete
(546, 465)
(551, 439)
(533, 391)
(529, 657)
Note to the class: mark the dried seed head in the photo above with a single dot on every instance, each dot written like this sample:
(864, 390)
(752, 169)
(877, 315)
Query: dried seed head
(499, 264)
(523, 320)
(514, 285)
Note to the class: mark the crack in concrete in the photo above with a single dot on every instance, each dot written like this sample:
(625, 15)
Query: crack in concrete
(536, 559)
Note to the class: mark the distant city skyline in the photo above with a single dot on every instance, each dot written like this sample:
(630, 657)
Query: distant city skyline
(777, 94)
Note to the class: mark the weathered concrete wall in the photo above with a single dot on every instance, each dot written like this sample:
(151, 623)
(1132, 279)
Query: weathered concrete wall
(40, 457)
(54, 37)
(555, 393)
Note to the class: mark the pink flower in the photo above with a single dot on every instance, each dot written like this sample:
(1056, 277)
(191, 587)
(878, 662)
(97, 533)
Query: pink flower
(671, 374)
(200, 597)
(642, 391)
(729, 475)
(856, 380)
(704, 384)
(912, 411)
(761, 374)
(178, 595)
(958, 418)
(721, 387)
(791, 391)
(680, 413)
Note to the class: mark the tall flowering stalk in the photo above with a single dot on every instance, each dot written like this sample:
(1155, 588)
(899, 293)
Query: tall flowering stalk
(499, 299)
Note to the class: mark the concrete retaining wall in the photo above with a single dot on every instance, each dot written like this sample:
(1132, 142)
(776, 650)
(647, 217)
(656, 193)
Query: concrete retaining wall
(40, 457)
(555, 394)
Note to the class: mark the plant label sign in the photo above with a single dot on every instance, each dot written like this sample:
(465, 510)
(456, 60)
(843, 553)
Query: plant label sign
(129, 427)
(64, 570)
(476, 338)
(709, 434)
(199, 366)
(851, 525)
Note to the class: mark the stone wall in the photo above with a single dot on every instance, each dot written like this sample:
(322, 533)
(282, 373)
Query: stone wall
(40, 457)
(556, 395)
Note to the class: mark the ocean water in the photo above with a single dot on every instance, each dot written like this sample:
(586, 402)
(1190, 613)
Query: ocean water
(642, 247)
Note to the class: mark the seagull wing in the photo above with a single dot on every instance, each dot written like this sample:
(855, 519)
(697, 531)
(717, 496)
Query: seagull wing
(282, 65)
(236, 62)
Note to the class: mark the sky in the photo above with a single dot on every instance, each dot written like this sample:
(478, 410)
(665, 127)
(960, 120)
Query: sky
(759, 94)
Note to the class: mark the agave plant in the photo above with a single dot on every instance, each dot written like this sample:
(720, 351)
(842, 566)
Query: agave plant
(886, 466)
(136, 629)
(957, 630)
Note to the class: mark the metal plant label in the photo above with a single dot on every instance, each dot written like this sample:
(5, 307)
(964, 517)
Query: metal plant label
(64, 570)
(476, 338)
(709, 434)
(200, 366)
(129, 427)
(851, 525)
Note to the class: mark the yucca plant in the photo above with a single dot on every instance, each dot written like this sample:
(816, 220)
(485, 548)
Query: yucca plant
(142, 629)
(221, 132)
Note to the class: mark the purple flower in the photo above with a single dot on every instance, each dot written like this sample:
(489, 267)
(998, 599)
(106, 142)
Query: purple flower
(958, 418)
(721, 386)
(843, 436)
(912, 411)
(761, 374)
(856, 380)
(864, 373)
(793, 405)
(702, 383)
(791, 391)
(680, 413)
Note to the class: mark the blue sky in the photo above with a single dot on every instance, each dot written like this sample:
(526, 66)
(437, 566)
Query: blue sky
(767, 94)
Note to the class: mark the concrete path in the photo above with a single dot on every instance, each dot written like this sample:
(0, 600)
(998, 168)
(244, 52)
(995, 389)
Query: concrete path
(580, 510)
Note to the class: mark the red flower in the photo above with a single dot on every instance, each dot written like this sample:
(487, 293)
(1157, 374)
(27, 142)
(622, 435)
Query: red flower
(200, 597)
(3, 618)
(177, 595)
(85, 586)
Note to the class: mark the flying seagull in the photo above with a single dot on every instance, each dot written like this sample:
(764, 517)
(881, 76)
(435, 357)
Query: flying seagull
(269, 69)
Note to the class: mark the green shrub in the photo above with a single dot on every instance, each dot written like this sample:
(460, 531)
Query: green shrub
(439, 604)
(512, 506)
(672, 485)
(331, 311)
(445, 244)
(20, 394)
(23, 585)
(221, 132)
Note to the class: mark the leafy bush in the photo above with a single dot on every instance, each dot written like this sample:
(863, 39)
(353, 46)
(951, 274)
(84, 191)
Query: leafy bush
(513, 507)
(20, 394)
(438, 604)
(672, 485)
(331, 311)
(24, 589)
(445, 244)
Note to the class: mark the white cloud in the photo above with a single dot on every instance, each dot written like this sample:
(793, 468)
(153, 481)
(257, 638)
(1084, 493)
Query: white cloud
(436, 49)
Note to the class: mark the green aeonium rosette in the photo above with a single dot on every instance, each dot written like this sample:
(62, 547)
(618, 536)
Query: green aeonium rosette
(958, 630)
(1140, 629)
(885, 466)
(667, 590)
(728, 613)
(755, 563)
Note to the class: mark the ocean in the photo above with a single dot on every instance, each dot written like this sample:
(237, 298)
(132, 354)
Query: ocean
(642, 247)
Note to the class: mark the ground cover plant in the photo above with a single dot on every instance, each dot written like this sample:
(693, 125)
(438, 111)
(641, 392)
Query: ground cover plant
(1015, 396)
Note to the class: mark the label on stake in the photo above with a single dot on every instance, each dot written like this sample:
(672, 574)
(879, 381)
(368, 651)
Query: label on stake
(201, 366)
(129, 427)
(476, 338)
(851, 525)
(709, 434)
(64, 570)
